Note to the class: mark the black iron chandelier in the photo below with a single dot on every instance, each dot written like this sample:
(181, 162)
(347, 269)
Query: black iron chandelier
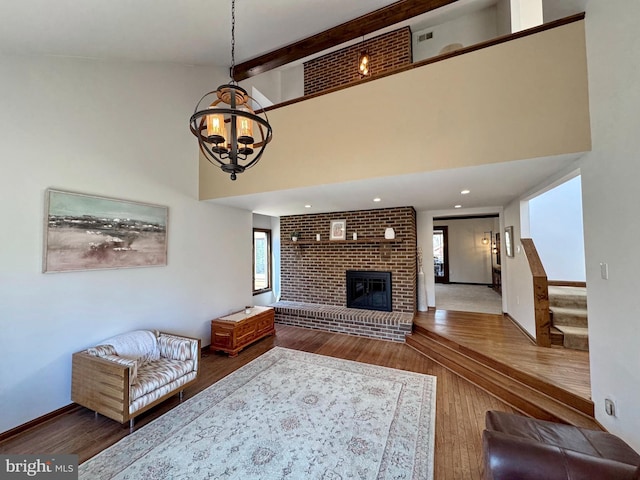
(225, 122)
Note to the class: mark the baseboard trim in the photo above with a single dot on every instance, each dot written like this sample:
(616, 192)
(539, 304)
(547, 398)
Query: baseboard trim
(521, 328)
(51, 415)
(469, 283)
(37, 421)
(566, 283)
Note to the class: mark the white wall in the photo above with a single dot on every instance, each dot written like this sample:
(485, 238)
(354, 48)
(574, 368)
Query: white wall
(468, 30)
(267, 83)
(292, 82)
(275, 253)
(278, 85)
(555, 219)
(553, 9)
(119, 130)
(525, 14)
(424, 240)
(517, 282)
(469, 259)
(273, 224)
(610, 176)
(503, 17)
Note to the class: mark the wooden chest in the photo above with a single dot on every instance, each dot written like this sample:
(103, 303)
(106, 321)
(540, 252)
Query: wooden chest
(232, 333)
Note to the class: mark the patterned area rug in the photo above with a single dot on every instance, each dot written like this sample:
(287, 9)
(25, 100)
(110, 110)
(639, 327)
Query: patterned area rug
(287, 415)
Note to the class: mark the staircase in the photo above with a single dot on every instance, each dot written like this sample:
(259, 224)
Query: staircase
(569, 327)
(523, 391)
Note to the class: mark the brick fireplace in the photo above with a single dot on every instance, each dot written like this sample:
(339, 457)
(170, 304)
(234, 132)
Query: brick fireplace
(313, 273)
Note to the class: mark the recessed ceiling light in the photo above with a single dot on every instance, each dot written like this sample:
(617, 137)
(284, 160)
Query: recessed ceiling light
(465, 192)
(457, 206)
(307, 206)
(377, 199)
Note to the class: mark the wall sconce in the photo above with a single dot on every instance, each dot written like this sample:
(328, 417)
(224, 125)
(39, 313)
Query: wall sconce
(487, 238)
(363, 64)
(364, 59)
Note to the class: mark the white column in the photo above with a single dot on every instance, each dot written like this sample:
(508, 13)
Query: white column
(525, 14)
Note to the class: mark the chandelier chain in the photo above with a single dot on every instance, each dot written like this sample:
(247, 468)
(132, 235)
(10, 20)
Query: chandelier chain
(225, 123)
(233, 38)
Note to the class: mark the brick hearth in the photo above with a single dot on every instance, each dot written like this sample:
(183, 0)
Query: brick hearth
(364, 323)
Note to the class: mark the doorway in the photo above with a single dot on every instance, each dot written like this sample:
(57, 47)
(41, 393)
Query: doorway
(441, 254)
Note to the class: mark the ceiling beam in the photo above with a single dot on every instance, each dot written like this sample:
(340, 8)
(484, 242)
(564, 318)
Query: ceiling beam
(371, 22)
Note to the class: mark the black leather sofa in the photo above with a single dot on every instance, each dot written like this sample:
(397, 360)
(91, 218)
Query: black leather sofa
(516, 447)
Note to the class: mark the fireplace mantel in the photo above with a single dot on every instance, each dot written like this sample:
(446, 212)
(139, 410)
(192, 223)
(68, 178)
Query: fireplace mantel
(338, 242)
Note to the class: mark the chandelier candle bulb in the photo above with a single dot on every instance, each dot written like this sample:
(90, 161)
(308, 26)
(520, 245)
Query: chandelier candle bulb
(355, 236)
(245, 129)
(215, 128)
(317, 237)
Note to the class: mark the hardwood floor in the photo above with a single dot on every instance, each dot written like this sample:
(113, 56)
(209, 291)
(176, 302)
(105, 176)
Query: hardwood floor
(497, 337)
(460, 406)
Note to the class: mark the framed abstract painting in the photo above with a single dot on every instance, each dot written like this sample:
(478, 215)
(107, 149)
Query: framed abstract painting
(88, 232)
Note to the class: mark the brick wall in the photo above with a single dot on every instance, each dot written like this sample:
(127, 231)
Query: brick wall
(315, 272)
(387, 52)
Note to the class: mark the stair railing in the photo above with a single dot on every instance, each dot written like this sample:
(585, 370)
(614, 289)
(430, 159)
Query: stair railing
(540, 293)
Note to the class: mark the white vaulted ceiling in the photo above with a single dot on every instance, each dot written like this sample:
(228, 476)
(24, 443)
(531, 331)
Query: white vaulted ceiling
(184, 31)
(197, 32)
(190, 31)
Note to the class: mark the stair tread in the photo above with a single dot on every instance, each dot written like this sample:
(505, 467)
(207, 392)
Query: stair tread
(578, 331)
(570, 317)
(510, 386)
(581, 312)
(566, 290)
(567, 297)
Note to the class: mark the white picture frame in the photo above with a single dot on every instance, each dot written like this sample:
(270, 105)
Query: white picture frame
(338, 230)
(508, 241)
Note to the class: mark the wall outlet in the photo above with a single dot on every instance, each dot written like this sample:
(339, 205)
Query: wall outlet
(610, 407)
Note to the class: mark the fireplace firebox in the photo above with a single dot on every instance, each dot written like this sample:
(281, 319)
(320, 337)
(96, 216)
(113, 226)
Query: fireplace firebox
(369, 290)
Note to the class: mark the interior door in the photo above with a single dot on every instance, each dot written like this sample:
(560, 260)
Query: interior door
(440, 255)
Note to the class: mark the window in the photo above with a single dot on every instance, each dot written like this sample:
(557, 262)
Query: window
(261, 260)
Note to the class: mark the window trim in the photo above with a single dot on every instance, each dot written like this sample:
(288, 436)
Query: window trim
(269, 287)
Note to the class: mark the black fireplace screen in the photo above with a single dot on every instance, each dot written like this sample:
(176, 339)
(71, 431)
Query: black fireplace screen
(369, 290)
